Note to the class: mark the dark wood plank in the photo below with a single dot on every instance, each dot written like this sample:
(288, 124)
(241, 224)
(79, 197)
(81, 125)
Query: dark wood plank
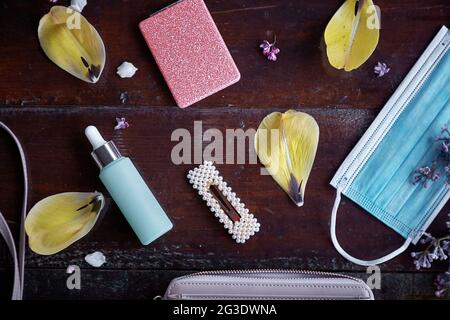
(301, 77)
(49, 109)
(59, 160)
(100, 284)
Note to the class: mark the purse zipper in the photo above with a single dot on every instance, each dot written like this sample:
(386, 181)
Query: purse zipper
(253, 271)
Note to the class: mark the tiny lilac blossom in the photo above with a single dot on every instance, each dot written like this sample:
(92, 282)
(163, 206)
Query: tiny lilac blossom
(123, 97)
(426, 174)
(381, 69)
(437, 249)
(121, 124)
(266, 46)
(443, 285)
(427, 238)
(421, 260)
(269, 50)
(273, 54)
(441, 164)
(439, 253)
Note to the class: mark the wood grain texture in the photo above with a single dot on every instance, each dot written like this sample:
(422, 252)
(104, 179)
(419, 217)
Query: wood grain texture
(44, 284)
(48, 109)
(59, 160)
(301, 76)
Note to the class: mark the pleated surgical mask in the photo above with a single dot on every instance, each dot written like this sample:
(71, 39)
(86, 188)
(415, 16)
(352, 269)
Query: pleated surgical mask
(378, 172)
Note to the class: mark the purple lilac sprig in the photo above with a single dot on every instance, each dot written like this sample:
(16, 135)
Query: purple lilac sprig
(269, 50)
(444, 140)
(426, 174)
(430, 173)
(437, 249)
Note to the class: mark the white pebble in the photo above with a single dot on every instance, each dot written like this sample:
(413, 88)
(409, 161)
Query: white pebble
(95, 259)
(126, 70)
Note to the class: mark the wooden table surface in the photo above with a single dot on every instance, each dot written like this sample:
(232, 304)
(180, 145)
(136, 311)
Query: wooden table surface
(48, 109)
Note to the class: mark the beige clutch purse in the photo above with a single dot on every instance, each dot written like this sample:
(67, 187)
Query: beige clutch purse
(267, 285)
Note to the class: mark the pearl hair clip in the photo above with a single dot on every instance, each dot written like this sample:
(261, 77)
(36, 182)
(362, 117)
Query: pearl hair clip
(239, 222)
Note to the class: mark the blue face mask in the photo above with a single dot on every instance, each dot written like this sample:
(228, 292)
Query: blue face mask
(378, 173)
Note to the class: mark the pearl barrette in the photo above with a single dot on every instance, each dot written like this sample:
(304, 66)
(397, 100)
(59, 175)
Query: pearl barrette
(228, 208)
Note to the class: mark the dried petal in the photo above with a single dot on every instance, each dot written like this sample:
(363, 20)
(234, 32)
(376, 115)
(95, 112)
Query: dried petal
(72, 43)
(56, 222)
(352, 34)
(286, 143)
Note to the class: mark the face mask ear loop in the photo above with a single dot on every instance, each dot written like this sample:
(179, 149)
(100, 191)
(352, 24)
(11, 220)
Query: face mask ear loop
(5, 232)
(350, 257)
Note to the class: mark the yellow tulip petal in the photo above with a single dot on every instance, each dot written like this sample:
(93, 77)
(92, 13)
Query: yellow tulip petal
(352, 34)
(286, 144)
(72, 43)
(56, 222)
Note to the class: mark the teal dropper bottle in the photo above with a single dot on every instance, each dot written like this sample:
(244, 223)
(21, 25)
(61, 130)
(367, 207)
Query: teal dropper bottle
(128, 189)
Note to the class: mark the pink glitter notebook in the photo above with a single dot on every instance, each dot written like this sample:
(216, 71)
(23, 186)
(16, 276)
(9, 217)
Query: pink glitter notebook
(189, 50)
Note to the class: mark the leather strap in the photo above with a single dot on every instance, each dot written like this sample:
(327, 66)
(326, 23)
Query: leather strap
(18, 259)
(350, 257)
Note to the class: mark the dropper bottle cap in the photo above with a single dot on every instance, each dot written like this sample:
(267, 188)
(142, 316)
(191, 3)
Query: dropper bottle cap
(104, 152)
(94, 137)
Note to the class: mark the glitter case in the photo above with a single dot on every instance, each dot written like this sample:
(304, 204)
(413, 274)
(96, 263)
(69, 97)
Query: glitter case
(189, 50)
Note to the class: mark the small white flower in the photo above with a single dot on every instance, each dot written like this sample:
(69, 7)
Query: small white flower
(95, 259)
(126, 70)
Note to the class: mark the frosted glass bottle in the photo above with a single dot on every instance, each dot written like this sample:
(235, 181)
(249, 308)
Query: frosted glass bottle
(128, 190)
